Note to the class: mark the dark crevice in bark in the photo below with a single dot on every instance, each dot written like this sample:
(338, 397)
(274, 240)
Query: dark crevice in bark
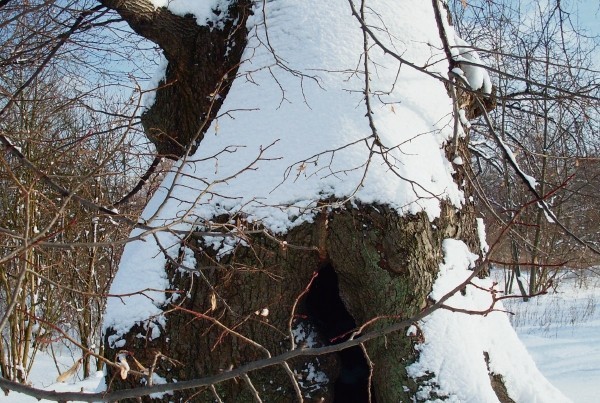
(326, 310)
(384, 265)
(374, 264)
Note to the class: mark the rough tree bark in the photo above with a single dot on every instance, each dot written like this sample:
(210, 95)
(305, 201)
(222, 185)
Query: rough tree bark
(202, 62)
(384, 264)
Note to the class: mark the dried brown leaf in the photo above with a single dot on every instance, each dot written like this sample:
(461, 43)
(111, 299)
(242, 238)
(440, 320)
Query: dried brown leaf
(213, 302)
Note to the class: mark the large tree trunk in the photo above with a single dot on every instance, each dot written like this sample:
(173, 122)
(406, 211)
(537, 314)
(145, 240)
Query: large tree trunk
(384, 266)
(373, 264)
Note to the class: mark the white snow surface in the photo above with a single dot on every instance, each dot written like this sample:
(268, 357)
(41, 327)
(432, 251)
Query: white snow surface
(322, 111)
(135, 293)
(44, 373)
(562, 332)
(306, 120)
(455, 342)
(203, 10)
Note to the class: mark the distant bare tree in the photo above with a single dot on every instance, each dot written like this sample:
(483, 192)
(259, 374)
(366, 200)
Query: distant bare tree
(57, 256)
(548, 114)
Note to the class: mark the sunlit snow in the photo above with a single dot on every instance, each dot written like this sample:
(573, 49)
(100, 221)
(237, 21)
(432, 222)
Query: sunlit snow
(293, 130)
(294, 133)
(455, 342)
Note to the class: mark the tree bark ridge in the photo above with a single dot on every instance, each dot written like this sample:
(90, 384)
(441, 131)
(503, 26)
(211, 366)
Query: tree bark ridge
(202, 62)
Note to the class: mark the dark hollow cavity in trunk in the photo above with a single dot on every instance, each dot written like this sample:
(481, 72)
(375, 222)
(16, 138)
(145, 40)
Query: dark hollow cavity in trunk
(326, 310)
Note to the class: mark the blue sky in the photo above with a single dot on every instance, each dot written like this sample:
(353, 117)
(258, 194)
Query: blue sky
(588, 15)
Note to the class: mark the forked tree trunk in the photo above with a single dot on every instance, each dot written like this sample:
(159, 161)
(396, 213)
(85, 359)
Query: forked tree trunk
(372, 263)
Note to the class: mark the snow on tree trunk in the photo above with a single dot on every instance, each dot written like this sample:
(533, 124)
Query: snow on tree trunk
(316, 162)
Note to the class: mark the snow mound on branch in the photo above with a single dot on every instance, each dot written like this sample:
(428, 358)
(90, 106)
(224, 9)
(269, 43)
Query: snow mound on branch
(203, 10)
(474, 69)
(455, 342)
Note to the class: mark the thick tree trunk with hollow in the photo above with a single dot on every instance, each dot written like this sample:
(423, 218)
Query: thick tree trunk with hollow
(384, 266)
(371, 264)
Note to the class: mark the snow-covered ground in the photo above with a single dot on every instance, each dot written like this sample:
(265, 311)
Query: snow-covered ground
(561, 331)
(44, 373)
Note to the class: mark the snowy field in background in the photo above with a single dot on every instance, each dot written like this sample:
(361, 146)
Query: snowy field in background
(561, 332)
